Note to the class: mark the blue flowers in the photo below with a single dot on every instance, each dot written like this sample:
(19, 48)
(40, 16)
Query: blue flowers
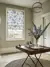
(37, 32)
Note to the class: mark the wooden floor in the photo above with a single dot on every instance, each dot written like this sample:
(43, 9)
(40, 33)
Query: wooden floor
(5, 59)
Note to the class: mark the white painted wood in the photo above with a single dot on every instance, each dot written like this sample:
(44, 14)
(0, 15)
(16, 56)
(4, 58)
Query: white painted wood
(47, 32)
(8, 50)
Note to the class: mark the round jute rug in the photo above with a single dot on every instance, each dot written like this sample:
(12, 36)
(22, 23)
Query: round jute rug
(29, 63)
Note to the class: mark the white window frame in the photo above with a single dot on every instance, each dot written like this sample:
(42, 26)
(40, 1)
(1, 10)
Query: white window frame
(9, 39)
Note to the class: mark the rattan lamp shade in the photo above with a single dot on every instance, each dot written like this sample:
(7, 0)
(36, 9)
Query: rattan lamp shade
(37, 7)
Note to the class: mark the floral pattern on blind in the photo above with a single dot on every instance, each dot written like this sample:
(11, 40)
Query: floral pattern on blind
(15, 23)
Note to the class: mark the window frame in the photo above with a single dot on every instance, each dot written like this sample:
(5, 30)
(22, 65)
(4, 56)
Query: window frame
(9, 39)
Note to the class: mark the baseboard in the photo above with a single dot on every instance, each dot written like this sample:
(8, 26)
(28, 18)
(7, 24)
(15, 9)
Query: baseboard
(8, 50)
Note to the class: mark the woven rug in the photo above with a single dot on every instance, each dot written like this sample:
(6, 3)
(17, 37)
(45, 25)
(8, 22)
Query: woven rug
(18, 63)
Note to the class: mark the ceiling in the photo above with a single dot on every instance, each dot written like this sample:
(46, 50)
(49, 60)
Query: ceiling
(25, 3)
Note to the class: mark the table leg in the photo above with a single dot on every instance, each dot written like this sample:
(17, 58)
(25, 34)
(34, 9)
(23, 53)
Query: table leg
(38, 60)
(32, 59)
(25, 61)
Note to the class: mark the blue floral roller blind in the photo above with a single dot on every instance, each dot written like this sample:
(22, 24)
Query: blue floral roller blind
(15, 24)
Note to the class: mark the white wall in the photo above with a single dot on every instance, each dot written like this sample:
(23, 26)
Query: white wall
(38, 20)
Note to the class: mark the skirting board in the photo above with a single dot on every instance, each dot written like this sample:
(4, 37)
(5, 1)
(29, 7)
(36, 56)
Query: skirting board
(8, 50)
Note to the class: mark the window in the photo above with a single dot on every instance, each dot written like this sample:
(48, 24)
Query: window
(15, 26)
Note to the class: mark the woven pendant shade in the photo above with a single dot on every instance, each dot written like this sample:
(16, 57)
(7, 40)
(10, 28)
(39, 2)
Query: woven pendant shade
(37, 7)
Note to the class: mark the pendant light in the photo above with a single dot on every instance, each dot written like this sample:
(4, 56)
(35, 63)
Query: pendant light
(37, 6)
